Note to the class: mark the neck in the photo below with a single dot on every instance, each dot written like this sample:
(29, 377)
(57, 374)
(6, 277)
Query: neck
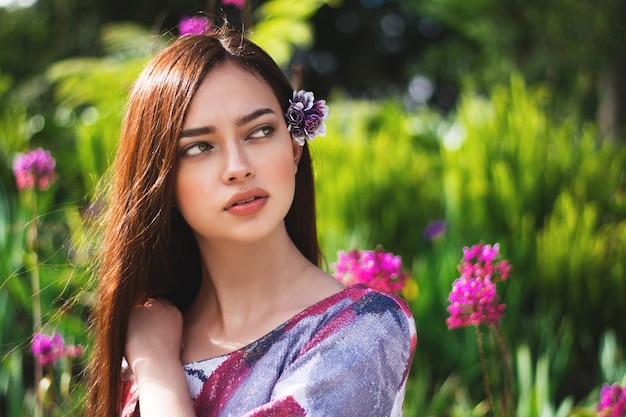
(247, 290)
(242, 281)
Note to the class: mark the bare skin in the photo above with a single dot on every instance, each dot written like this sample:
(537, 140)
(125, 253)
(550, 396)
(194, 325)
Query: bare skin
(152, 349)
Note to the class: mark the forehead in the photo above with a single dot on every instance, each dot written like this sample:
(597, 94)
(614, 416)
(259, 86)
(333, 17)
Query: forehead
(230, 90)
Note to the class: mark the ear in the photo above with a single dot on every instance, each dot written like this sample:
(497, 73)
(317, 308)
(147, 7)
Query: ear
(297, 153)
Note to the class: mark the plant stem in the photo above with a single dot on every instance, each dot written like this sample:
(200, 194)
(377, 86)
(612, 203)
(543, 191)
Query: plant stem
(509, 399)
(211, 10)
(34, 281)
(483, 364)
(246, 16)
(32, 265)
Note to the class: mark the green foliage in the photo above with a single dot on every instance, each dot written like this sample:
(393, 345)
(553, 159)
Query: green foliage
(60, 283)
(39, 35)
(283, 25)
(449, 399)
(576, 47)
(91, 93)
(550, 193)
(501, 170)
(612, 359)
(377, 172)
(535, 392)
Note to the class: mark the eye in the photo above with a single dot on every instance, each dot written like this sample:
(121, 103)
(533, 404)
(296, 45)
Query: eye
(196, 149)
(262, 132)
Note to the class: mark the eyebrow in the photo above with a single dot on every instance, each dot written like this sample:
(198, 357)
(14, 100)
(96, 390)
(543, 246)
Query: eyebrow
(239, 122)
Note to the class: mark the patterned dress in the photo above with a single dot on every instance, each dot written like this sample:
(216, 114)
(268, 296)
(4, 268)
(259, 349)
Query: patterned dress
(347, 355)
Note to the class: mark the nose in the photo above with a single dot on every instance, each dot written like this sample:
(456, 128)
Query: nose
(237, 166)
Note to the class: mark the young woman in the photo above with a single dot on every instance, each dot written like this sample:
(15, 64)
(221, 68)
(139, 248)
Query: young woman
(210, 298)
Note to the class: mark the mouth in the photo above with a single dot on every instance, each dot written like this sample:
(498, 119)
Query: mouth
(245, 197)
(247, 200)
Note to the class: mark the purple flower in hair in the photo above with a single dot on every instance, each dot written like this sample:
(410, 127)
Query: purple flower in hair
(305, 117)
(320, 108)
(295, 118)
(303, 99)
(196, 25)
(314, 123)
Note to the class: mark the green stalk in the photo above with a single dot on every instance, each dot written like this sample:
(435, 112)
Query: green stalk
(32, 265)
(509, 398)
(483, 364)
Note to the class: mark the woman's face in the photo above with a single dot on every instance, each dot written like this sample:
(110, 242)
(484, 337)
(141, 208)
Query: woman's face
(237, 162)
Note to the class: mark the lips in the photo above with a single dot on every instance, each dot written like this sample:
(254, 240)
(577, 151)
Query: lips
(245, 198)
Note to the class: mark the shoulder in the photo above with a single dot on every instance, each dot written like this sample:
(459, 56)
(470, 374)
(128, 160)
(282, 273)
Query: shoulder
(366, 339)
(359, 299)
(370, 301)
(359, 314)
(362, 301)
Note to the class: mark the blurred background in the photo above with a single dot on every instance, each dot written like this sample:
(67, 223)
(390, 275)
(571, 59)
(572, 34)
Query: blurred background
(451, 122)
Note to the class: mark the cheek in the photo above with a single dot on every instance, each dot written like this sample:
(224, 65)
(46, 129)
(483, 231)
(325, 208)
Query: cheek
(289, 158)
(188, 191)
(284, 167)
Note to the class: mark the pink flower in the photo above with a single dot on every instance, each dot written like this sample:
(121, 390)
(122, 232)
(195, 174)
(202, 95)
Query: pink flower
(237, 3)
(50, 349)
(612, 401)
(34, 169)
(481, 252)
(377, 269)
(196, 25)
(473, 299)
(478, 260)
(73, 351)
(47, 349)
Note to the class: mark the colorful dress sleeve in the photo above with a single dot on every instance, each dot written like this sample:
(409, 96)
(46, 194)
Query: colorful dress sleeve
(130, 393)
(356, 364)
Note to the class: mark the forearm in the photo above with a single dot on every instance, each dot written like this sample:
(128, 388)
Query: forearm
(163, 389)
(152, 350)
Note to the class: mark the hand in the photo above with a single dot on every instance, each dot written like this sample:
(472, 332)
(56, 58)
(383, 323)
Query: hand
(153, 344)
(154, 333)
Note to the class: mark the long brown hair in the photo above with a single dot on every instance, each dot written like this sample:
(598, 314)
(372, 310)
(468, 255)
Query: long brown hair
(147, 248)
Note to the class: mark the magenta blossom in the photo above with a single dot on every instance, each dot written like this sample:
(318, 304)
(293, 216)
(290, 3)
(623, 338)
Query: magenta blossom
(196, 25)
(34, 169)
(612, 401)
(478, 261)
(47, 349)
(473, 299)
(50, 349)
(377, 269)
(237, 3)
